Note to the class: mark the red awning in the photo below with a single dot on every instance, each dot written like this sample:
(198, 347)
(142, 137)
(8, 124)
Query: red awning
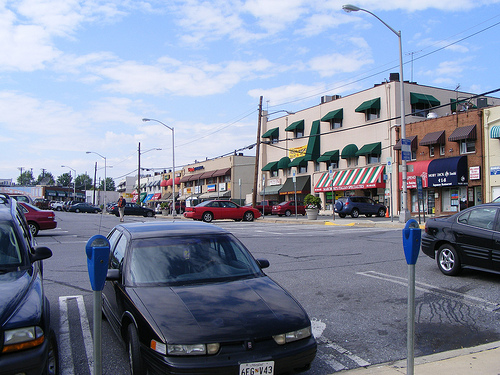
(156, 196)
(134, 199)
(419, 170)
(164, 183)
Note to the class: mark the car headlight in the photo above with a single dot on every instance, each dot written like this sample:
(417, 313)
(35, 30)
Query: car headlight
(184, 349)
(292, 336)
(22, 338)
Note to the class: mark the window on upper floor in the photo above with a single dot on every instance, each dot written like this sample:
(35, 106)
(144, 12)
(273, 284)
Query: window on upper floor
(467, 147)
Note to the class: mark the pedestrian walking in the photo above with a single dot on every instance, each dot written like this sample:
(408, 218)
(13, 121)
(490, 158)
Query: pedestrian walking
(121, 207)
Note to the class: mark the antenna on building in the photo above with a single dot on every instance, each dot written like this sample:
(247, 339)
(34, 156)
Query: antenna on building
(411, 65)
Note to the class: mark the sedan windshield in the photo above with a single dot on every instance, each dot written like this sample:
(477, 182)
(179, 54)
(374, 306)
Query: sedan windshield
(10, 254)
(183, 260)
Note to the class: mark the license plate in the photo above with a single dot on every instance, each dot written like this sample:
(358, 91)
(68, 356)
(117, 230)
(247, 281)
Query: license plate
(257, 368)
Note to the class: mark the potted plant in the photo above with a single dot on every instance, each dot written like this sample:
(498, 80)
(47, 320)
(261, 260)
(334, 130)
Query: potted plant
(313, 204)
(164, 208)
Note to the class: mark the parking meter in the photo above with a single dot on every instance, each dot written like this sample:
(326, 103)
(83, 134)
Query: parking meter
(97, 250)
(411, 241)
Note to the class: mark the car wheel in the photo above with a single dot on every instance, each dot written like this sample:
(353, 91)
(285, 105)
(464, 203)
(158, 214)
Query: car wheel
(52, 364)
(96, 211)
(342, 215)
(149, 214)
(355, 213)
(381, 212)
(448, 260)
(207, 217)
(58, 209)
(77, 210)
(288, 213)
(33, 228)
(134, 352)
(248, 216)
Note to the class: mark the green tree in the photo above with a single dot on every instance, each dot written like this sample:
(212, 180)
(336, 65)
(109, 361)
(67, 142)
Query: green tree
(46, 178)
(83, 182)
(26, 178)
(110, 184)
(64, 179)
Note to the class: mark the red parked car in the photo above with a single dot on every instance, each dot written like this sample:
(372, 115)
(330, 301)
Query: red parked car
(38, 219)
(288, 209)
(221, 209)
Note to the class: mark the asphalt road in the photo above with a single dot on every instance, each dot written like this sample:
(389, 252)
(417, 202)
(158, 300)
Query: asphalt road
(352, 281)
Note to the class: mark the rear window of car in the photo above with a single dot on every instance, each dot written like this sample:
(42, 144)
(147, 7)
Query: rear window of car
(482, 217)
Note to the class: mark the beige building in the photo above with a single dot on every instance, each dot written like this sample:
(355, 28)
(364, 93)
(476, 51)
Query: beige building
(346, 144)
(491, 125)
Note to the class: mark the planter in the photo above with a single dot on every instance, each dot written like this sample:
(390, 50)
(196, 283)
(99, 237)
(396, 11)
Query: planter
(164, 212)
(312, 213)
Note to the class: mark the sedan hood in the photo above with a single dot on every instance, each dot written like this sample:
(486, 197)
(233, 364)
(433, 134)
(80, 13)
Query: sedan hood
(13, 288)
(236, 310)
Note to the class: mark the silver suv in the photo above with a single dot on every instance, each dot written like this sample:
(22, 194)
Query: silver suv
(356, 206)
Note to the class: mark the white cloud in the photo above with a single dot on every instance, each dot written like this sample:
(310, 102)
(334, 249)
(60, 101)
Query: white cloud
(287, 93)
(329, 65)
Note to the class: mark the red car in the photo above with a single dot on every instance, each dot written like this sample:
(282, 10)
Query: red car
(288, 209)
(221, 209)
(38, 219)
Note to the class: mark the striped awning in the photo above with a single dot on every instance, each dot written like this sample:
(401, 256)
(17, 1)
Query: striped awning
(351, 179)
(495, 132)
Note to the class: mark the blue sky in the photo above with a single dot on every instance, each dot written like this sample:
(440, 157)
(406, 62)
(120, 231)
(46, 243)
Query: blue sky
(79, 76)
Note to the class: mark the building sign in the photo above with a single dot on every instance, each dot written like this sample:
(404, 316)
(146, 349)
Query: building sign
(297, 152)
(222, 186)
(495, 170)
(211, 187)
(273, 182)
(474, 173)
(194, 169)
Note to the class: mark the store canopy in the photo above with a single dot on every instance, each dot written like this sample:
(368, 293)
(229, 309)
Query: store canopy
(351, 179)
(495, 132)
(433, 138)
(164, 183)
(272, 166)
(298, 162)
(148, 198)
(369, 104)
(294, 126)
(349, 151)
(207, 175)
(418, 169)
(370, 149)
(272, 133)
(448, 172)
(284, 162)
(271, 190)
(156, 196)
(329, 156)
(416, 98)
(169, 182)
(143, 195)
(338, 114)
(222, 172)
(302, 184)
(463, 133)
(414, 143)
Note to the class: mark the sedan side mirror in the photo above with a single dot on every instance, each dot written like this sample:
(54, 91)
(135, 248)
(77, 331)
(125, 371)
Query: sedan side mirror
(113, 274)
(41, 252)
(263, 263)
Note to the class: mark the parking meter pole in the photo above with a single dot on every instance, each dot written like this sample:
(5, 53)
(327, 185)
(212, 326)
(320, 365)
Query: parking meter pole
(97, 332)
(411, 321)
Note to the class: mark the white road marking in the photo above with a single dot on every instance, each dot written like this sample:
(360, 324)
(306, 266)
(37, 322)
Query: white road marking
(423, 287)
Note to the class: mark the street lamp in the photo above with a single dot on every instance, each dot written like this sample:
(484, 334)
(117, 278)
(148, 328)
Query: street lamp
(174, 212)
(104, 200)
(74, 182)
(139, 153)
(404, 215)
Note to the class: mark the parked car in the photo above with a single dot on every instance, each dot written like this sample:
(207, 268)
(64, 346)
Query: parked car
(189, 298)
(27, 341)
(468, 239)
(42, 204)
(288, 209)
(21, 198)
(266, 205)
(38, 219)
(84, 207)
(356, 206)
(57, 205)
(132, 209)
(68, 204)
(221, 209)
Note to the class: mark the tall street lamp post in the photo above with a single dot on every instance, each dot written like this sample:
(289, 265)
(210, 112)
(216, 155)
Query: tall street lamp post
(139, 153)
(404, 215)
(74, 182)
(104, 200)
(174, 212)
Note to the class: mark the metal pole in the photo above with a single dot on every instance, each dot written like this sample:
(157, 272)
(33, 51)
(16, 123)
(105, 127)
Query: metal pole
(410, 361)
(257, 154)
(174, 212)
(97, 332)
(139, 172)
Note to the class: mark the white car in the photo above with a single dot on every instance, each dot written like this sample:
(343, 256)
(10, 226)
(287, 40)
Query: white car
(57, 205)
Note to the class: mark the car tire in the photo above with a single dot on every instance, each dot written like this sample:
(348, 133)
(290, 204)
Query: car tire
(52, 364)
(149, 214)
(341, 216)
(207, 217)
(58, 209)
(355, 213)
(77, 210)
(248, 216)
(381, 212)
(34, 228)
(448, 260)
(288, 213)
(134, 352)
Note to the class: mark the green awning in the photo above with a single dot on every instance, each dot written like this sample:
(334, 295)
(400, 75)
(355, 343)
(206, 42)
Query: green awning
(424, 99)
(271, 133)
(349, 151)
(143, 195)
(271, 190)
(284, 162)
(302, 184)
(272, 166)
(329, 156)
(297, 125)
(369, 104)
(312, 152)
(298, 162)
(370, 149)
(338, 114)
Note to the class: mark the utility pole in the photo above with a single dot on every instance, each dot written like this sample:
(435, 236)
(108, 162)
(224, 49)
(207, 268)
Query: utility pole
(257, 152)
(139, 174)
(95, 177)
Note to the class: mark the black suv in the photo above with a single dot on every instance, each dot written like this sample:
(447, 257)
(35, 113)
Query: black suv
(356, 206)
(27, 343)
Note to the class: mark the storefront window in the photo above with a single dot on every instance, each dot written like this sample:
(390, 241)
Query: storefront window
(450, 198)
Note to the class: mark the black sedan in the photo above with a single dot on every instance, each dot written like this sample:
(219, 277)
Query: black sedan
(188, 297)
(468, 239)
(84, 207)
(132, 209)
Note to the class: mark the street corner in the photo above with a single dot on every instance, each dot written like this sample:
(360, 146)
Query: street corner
(340, 225)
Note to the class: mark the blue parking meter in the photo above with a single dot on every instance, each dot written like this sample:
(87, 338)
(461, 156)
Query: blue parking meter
(97, 250)
(411, 241)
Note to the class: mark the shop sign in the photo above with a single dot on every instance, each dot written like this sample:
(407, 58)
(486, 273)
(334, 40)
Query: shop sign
(222, 186)
(197, 189)
(194, 169)
(474, 173)
(211, 187)
(495, 170)
(297, 152)
(274, 182)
